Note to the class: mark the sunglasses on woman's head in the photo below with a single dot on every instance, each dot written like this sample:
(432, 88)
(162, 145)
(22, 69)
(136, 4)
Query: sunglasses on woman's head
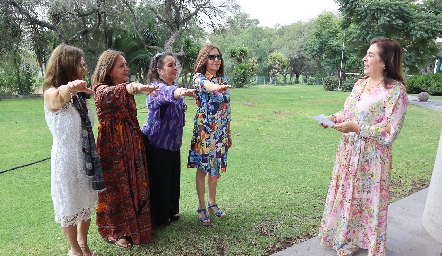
(158, 55)
(217, 56)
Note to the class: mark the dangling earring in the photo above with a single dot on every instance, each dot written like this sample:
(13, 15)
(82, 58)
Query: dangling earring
(384, 66)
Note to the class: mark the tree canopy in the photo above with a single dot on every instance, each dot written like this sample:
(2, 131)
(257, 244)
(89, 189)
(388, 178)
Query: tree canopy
(140, 29)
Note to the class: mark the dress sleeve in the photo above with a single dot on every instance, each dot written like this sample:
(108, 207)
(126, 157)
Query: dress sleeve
(395, 110)
(165, 95)
(198, 82)
(112, 96)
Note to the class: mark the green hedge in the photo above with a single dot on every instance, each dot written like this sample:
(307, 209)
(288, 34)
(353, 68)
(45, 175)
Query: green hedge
(348, 84)
(431, 83)
(331, 83)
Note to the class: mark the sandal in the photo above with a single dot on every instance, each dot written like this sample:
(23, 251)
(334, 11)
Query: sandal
(205, 221)
(347, 250)
(86, 251)
(213, 209)
(123, 244)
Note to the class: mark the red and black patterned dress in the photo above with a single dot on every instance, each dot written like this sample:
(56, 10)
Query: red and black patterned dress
(123, 208)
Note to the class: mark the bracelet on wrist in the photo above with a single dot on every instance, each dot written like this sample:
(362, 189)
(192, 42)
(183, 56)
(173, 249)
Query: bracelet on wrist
(180, 93)
(65, 93)
(133, 88)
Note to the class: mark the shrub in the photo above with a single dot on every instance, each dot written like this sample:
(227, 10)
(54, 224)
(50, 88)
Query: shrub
(330, 83)
(348, 84)
(311, 80)
(431, 83)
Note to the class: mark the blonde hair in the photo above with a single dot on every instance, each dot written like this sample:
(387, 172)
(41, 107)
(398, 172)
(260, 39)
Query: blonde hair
(104, 65)
(62, 65)
(201, 60)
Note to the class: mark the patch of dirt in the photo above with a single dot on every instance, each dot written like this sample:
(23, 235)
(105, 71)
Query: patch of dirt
(283, 244)
(283, 113)
(250, 104)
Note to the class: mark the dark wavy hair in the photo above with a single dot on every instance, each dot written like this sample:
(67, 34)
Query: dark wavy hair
(391, 55)
(201, 60)
(157, 62)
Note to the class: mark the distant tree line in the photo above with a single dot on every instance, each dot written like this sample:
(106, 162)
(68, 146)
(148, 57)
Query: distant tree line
(30, 29)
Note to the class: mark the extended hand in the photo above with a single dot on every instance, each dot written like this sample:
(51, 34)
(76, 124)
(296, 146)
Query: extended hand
(79, 86)
(189, 92)
(147, 89)
(223, 87)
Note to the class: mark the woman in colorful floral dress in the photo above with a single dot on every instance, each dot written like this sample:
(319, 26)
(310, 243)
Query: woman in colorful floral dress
(355, 214)
(123, 212)
(211, 138)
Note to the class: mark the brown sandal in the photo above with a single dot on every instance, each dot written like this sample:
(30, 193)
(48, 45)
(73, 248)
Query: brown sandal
(86, 251)
(123, 244)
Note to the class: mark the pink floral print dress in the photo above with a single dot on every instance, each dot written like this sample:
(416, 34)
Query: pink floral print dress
(357, 199)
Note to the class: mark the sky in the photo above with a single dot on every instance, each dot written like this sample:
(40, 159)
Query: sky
(285, 12)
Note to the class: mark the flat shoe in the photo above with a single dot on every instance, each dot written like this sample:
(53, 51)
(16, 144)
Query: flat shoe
(123, 244)
(86, 251)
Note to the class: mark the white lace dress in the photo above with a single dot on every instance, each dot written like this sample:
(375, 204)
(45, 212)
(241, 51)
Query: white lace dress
(71, 189)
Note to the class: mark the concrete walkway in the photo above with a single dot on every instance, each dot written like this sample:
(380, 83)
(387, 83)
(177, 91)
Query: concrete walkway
(430, 104)
(406, 237)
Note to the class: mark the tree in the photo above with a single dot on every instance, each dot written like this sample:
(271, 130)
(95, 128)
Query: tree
(242, 69)
(59, 14)
(191, 49)
(240, 30)
(280, 65)
(325, 44)
(175, 18)
(414, 24)
(291, 41)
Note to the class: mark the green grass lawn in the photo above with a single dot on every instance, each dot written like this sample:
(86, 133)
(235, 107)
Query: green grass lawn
(274, 189)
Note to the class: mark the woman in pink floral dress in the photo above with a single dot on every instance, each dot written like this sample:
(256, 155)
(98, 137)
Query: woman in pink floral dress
(355, 214)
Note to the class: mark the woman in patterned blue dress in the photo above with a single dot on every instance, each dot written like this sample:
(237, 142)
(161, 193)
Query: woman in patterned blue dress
(211, 134)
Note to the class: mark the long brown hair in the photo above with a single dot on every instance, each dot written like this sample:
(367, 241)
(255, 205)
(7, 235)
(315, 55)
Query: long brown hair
(104, 65)
(201, 60)
(391, 54)
(62, 66)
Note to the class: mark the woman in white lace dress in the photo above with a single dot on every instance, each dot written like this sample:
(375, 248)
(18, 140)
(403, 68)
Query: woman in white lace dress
(75, 170)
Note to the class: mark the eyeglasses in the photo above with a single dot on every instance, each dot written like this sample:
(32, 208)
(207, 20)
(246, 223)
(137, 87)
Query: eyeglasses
(217, 56)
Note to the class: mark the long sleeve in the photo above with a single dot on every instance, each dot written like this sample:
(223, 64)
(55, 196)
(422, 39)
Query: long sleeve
(395, 110)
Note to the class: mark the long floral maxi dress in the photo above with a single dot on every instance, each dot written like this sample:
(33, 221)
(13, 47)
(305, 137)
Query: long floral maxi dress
(208, 148)
(357, 200)
(123, 208)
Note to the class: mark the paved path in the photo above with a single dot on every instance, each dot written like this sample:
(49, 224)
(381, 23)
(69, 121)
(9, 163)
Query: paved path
(406, 237)
(431, 104)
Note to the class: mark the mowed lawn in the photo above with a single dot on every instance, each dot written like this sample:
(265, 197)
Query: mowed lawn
(274, 189)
